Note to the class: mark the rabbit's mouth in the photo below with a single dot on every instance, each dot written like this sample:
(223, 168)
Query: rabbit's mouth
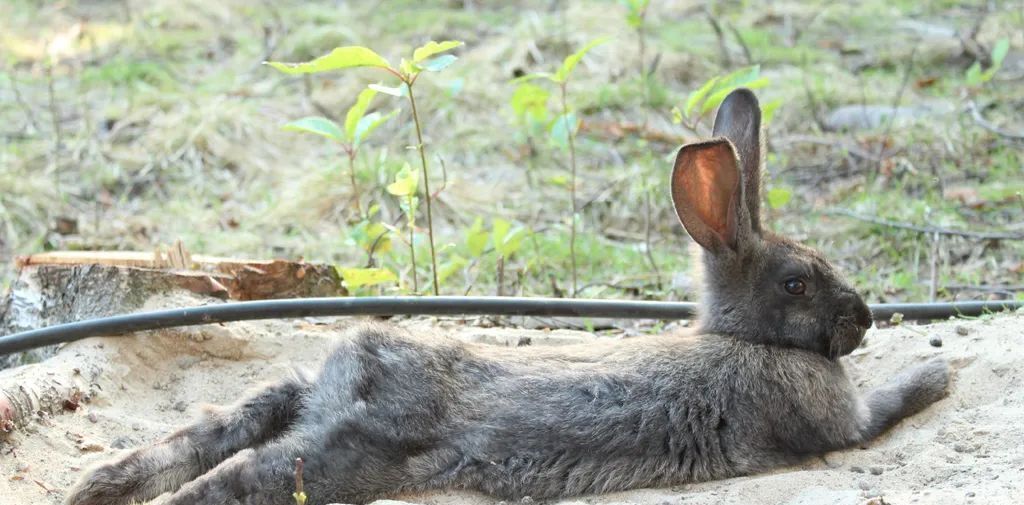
(848, 336)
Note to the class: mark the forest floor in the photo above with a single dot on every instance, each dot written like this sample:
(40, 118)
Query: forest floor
(963, 449)
(131, 125)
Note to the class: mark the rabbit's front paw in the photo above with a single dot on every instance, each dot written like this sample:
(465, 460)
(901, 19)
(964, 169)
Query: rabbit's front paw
(111, 484)
(927, 383)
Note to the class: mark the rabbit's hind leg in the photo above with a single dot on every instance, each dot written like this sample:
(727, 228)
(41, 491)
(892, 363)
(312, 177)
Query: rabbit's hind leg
(192, 451)
(265, 475)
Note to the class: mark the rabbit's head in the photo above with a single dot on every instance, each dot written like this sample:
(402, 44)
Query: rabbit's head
(759, 286)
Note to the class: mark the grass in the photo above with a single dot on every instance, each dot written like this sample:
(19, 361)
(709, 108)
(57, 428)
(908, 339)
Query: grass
(170, 130)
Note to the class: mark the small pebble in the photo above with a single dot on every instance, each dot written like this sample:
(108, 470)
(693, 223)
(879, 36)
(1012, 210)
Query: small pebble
(526, 500)
(22, 467)
(121, 443)
(970, 494)
(180, 406)
(962, 330)
(935, 342)
(856, 469)
(876, 470)
(92, 417)
(864, 485)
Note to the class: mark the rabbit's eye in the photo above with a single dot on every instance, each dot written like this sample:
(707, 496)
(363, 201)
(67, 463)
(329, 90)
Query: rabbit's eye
(795, 286)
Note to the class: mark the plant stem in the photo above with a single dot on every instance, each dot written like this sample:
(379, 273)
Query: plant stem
(571, 132)
(412, 245)
(426, 186)
(352, 175)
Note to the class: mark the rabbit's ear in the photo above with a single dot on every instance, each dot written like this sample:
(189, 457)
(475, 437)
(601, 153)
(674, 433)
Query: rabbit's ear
(706, 193)
(739, 120)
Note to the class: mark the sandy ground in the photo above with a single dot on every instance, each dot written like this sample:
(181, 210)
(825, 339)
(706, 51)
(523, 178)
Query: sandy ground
(968, 448)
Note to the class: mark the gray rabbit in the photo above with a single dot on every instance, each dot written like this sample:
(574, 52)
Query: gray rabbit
(758, 386)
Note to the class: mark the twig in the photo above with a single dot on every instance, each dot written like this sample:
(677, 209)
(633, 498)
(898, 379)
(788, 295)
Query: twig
(307, 86)
(647, 236)
(444, 176)
(926, 229)
(58, 133)
(895, 104)
(742, 43)
(812, 101)
(722, 47)
(809, 139)
(572, 186)
(933, 287)
(20, 100)
(972, 108)
(300, 492)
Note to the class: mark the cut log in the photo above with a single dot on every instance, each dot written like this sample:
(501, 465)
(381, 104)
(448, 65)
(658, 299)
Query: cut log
(60, 287)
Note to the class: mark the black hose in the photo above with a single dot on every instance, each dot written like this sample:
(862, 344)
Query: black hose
(413, 305)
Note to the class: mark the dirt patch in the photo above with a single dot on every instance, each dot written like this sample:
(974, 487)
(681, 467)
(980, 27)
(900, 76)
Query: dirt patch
(964, 449)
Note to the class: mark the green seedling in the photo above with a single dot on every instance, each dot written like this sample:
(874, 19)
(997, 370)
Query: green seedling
(405, 188)
(563, 132)
(428, 57)
(700, 102)
(976, 77)
(358, 125)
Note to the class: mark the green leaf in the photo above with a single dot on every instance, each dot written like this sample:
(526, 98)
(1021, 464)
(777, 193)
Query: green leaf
(431, 48)
(572, 60)
(405, 183)
(408, 68)
(778, 197)
(449, 267)
(973, 75)
(398, 91)
(506, 241)
(747, 77)
(677, 115)
(438, 64)
(317, 125)
(563, 126)
(499, 230)
(768, 110)
(476, 238)
(359, 277)
(513, 241)
(371, 236)
(356, 112)
(999, 52)
(530, 101)
(339, 58)
(696, 96)
(367, 124)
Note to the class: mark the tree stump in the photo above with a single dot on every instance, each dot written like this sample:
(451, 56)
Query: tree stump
(61, 287)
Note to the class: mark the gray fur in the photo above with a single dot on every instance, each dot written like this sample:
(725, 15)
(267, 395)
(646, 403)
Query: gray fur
(758, 386)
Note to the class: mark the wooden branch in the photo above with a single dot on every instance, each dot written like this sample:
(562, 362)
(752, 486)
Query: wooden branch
(972, 108)
(618, 130)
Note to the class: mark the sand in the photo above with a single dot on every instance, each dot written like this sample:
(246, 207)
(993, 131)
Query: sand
(968, 448)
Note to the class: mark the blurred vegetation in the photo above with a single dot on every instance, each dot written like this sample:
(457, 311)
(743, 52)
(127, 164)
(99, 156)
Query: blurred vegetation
(893, 126)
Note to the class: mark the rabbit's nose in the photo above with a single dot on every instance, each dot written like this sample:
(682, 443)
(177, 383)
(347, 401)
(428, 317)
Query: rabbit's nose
(861, 312)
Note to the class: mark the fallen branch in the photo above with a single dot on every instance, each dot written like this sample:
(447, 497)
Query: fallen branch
(972, 108)
(619, 130)
(931, 230)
